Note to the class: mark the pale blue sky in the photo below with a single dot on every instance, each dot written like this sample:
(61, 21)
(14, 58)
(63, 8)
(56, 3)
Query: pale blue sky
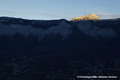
(59, 9)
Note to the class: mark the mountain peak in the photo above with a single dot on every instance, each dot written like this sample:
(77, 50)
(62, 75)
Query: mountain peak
(86, 17)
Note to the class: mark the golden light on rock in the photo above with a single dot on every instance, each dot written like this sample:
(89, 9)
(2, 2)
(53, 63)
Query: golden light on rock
(87, 17)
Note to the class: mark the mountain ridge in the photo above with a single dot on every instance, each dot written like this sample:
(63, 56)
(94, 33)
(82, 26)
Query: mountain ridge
(99, 28)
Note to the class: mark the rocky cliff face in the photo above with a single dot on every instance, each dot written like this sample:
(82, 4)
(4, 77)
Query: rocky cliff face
(87, 17)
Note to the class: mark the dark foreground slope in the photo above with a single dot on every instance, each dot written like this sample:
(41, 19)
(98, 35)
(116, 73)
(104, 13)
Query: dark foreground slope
(58, 49)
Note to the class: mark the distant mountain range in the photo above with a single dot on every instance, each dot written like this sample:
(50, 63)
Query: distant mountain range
(80, 33)
(100, 28)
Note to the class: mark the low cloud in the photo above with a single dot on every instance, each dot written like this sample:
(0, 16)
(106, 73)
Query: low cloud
(102, 13)
(33, 14)
(109, 15)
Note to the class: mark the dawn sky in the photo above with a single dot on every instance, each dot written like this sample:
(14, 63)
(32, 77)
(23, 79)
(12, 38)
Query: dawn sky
(59, 9)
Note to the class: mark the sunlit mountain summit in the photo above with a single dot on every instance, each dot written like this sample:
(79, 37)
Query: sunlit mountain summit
(86, 17)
